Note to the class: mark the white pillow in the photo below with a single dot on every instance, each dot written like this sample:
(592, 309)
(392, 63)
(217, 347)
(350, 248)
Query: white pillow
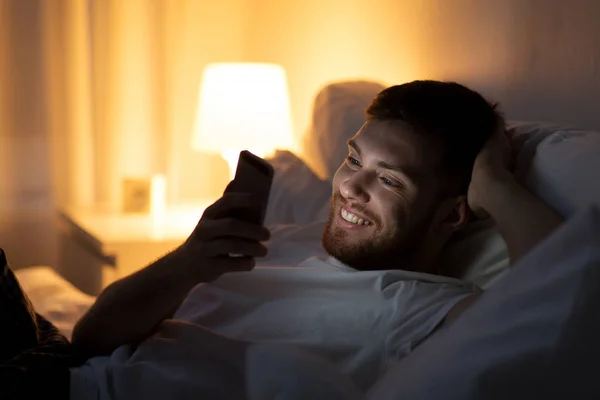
(297, 195)
(478, 251)
(560, 165)
(338, 113)
(565, 169)
(532, 336)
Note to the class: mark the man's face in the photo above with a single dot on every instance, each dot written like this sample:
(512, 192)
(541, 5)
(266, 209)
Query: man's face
(384, 197)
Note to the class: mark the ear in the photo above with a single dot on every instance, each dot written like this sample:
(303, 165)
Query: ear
(458, 213)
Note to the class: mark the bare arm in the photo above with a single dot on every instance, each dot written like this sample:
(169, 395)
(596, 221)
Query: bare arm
(522, 219)
(128, 310)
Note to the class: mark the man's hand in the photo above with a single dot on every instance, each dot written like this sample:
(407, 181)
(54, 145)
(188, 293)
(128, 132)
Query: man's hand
(218, 235)
(492, 165)
(130, 309)
(522, 219)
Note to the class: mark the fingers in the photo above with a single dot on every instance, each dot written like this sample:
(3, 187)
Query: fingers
(219, 234)
(240, 263)
(223, 264)
(230, 227)
(225, 246)
(231, 201)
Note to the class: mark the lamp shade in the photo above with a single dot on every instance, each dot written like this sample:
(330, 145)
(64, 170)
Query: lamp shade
(243, 106)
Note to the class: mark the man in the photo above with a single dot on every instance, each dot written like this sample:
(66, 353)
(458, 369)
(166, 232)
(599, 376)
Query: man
(428, 152)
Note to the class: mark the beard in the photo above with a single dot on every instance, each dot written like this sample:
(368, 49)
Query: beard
(397, 249)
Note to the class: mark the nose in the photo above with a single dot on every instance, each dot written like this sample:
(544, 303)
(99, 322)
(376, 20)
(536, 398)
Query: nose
(355, 188)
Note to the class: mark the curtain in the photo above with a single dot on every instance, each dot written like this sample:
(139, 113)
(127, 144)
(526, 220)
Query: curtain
(26, 185)
(94, 91)
(122, 88)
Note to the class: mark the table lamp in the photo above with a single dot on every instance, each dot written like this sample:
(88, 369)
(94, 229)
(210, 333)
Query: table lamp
(242, 106)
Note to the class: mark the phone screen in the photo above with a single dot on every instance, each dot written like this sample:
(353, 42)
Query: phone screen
(253, 175)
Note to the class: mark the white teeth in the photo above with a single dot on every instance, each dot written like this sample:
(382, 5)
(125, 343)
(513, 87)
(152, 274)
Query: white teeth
(353, 218)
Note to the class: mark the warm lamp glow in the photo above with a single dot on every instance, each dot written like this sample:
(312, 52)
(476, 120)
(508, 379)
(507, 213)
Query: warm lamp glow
(242, 106)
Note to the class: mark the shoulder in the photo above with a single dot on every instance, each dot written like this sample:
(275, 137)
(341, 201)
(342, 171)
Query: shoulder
(460, 307)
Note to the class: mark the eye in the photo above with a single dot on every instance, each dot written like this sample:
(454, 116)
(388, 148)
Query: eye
(389, 182)
(353, 161)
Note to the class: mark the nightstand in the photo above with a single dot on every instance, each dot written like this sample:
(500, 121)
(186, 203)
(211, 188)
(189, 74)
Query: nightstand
(96, 248)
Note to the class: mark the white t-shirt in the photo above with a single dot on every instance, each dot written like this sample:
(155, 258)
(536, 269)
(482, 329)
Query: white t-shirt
(359, 321)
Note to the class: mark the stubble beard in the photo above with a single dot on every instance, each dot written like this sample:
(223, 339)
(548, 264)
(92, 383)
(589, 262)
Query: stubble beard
(378, 251)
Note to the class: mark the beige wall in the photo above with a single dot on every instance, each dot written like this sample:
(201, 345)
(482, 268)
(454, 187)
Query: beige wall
(26, 214)
(540, 58)
(207, 31)
(106, 109)
(132, 69)
(320, 41)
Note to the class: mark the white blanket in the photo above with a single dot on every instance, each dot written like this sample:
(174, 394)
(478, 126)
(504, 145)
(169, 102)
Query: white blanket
(53, 297)
(315, 329)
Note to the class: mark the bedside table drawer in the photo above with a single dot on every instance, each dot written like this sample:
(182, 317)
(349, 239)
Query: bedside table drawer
(133, 256)
(96, 248)
(82, 264)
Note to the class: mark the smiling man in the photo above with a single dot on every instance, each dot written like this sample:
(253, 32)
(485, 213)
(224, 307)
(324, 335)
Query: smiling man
(196, 321)
(401, 191)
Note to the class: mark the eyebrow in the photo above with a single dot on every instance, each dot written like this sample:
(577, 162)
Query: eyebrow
(410, 173)
(352, 143)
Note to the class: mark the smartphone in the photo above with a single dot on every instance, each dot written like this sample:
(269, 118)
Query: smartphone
(253, 175)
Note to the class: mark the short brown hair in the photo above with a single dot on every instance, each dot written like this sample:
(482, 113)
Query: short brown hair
(459, 117)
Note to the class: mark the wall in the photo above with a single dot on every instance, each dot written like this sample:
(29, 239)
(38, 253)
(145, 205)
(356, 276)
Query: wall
(321, 41)
(539, 58)
(124, 80)
(196, 33)
(88, 86)
(26, 196)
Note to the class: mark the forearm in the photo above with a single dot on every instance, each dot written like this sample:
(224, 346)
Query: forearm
(129, 309)
(522, 219)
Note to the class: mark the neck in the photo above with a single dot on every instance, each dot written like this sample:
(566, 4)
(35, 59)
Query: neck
(425, 259)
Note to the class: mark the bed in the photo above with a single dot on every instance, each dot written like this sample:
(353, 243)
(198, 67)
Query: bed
(54, 297)
(561, 165)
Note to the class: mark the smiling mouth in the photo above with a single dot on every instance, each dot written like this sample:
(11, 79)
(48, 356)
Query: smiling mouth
(352, 218)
